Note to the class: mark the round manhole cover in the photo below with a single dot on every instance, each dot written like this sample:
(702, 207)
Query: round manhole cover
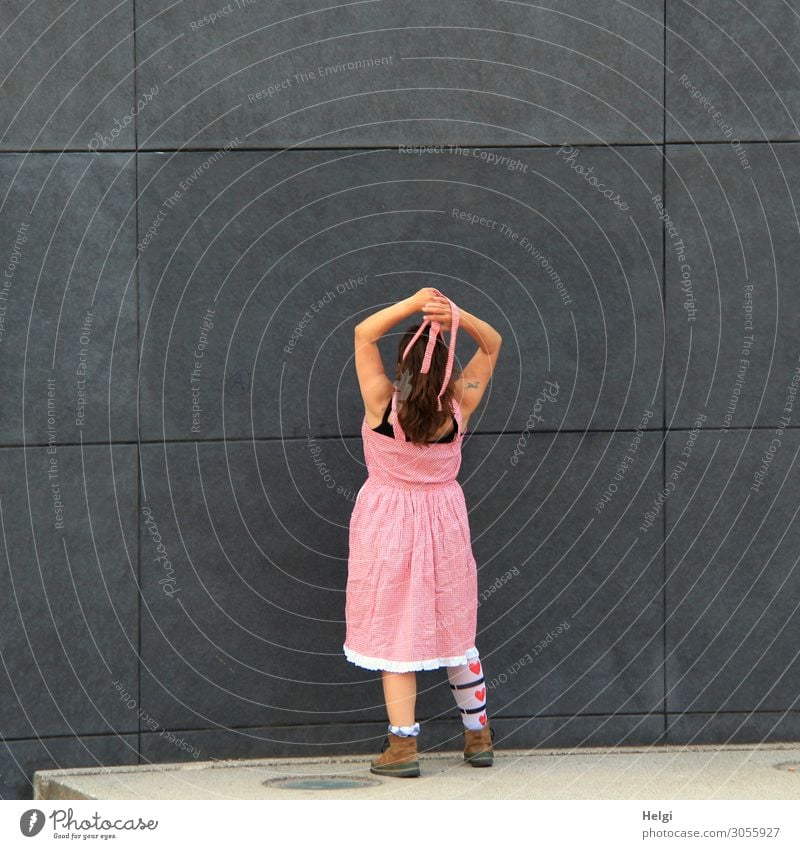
(789, 766)
(320, 782)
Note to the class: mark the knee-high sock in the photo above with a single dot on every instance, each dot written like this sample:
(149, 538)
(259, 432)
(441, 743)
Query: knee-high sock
(468, 687)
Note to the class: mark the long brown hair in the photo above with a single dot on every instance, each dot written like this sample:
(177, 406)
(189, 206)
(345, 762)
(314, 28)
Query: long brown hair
(416, 400)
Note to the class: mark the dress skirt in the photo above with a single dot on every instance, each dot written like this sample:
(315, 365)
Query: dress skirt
(411, 598)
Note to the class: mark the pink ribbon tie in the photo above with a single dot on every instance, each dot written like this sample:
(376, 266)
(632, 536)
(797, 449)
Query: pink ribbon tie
(436, 328)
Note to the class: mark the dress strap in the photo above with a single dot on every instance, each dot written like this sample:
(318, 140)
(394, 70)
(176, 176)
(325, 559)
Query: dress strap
(457, 414)
(396, 426)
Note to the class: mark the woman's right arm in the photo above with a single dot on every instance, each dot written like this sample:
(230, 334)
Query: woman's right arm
(488, 339)
(475, 376)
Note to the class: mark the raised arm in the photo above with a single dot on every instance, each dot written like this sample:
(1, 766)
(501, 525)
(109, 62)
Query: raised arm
(376, 325)
(375, 385)
(475, 376)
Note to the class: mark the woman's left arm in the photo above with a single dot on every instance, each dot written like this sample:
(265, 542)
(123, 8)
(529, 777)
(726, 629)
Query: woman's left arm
(381, 322)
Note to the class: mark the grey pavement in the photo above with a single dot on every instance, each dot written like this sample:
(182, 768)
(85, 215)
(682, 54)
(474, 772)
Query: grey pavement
(770, 771)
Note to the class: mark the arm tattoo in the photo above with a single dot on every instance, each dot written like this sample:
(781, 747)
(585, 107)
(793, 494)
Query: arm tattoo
(473, 384)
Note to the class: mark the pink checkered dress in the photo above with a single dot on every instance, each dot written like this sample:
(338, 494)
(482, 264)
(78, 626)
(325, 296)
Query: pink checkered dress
(412, 587)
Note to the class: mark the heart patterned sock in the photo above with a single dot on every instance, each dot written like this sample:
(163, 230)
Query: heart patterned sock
(469, 690)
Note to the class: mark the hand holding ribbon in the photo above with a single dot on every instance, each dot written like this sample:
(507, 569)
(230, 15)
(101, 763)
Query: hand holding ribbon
(438, 309)
(435, 328)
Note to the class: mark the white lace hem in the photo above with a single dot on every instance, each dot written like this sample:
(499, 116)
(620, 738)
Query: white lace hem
(367, 662)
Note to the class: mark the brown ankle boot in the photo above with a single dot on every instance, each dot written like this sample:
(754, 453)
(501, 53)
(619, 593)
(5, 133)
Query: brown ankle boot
(478, 749)
(398, 757)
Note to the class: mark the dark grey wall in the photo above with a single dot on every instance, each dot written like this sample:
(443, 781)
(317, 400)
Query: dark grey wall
(172, 581)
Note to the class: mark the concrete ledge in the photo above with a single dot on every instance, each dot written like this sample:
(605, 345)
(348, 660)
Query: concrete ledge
(770, 771)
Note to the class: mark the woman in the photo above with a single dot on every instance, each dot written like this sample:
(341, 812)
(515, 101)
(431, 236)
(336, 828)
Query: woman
(412, 596)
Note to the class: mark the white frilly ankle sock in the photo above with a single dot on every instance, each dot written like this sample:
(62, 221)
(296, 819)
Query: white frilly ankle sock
(405, 730)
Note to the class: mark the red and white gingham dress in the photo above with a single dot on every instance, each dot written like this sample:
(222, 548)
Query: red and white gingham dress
(412, 584)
